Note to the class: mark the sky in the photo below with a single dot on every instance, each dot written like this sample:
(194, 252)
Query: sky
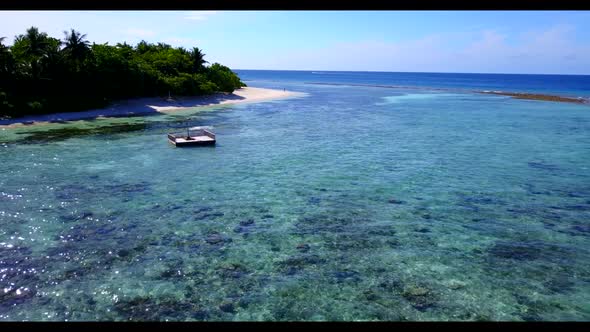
(525, 42)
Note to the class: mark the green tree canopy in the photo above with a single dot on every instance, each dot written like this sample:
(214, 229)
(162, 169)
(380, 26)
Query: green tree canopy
(44, 74)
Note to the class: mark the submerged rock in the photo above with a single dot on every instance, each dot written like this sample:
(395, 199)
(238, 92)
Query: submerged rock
(203, 209)
(559, 286)
(391, 284)
(209, 215)
(127, 188)
(481, 200)
(200, 314)
(153, 309)
(75, 217)
(303, 260)
(12, 296)
(415, 291)
(227, 307)
(534, 309)
(123, 253)
(516, 251)
(455, 284)
(303, 247)
(296, 263)
(106, 229)
(244, 227)
(77, 272)
(58, 134)
(244, 302)
(171, 273)
(370, 295)
(261, 209)
(383, 231)
(360, 241)
(395, 201)
(69, 192)
(216, 238)
(419, 297)
(247, 222)
(342, 276)
(233, 271)
(314, 200)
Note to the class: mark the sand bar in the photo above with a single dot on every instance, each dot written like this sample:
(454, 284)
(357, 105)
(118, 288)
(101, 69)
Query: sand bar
(536, 96)
(516, 95)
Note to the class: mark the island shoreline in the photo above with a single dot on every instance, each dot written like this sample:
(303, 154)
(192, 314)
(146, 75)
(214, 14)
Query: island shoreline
(155, 106)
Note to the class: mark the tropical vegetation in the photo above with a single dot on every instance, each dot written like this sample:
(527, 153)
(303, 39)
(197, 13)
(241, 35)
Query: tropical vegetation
(41, 74)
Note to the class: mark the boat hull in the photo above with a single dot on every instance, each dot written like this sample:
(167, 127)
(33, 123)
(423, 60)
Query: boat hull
(192, 143)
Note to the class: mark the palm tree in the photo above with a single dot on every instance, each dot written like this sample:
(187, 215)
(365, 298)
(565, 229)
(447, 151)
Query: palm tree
(52, 64)
(198, 58)
(33, 45)
(126, 50)
(76, 47)
(5, 57)
(143, 47)
(37, 42)
(163, 46)
(3, 48)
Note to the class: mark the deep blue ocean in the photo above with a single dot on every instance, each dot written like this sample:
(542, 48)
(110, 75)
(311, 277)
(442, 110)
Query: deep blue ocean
(420, 201)
(566, 85)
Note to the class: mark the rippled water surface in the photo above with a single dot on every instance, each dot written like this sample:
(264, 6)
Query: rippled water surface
(351, 203)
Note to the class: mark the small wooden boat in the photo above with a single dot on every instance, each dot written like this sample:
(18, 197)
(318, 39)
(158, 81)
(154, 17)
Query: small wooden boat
(195, 136)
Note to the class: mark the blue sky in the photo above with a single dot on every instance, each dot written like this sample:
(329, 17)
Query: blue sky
(549, 42)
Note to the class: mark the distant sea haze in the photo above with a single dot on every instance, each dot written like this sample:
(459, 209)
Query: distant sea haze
(563, 85)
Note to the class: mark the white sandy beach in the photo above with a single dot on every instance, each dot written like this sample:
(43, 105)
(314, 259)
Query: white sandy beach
(243, 95)
(134, 107)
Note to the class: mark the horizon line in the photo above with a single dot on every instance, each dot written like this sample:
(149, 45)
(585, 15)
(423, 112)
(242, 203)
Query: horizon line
(406, 72)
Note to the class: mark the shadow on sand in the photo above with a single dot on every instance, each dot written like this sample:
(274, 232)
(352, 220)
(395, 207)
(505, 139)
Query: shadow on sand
(127, 108)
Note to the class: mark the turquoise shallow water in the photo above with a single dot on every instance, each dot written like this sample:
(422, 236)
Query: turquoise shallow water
(351, 203)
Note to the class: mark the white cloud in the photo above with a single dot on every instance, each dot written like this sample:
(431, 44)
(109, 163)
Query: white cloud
(199, 15)
(543, 51)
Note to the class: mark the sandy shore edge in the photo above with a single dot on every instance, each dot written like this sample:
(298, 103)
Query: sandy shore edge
(147, 106)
